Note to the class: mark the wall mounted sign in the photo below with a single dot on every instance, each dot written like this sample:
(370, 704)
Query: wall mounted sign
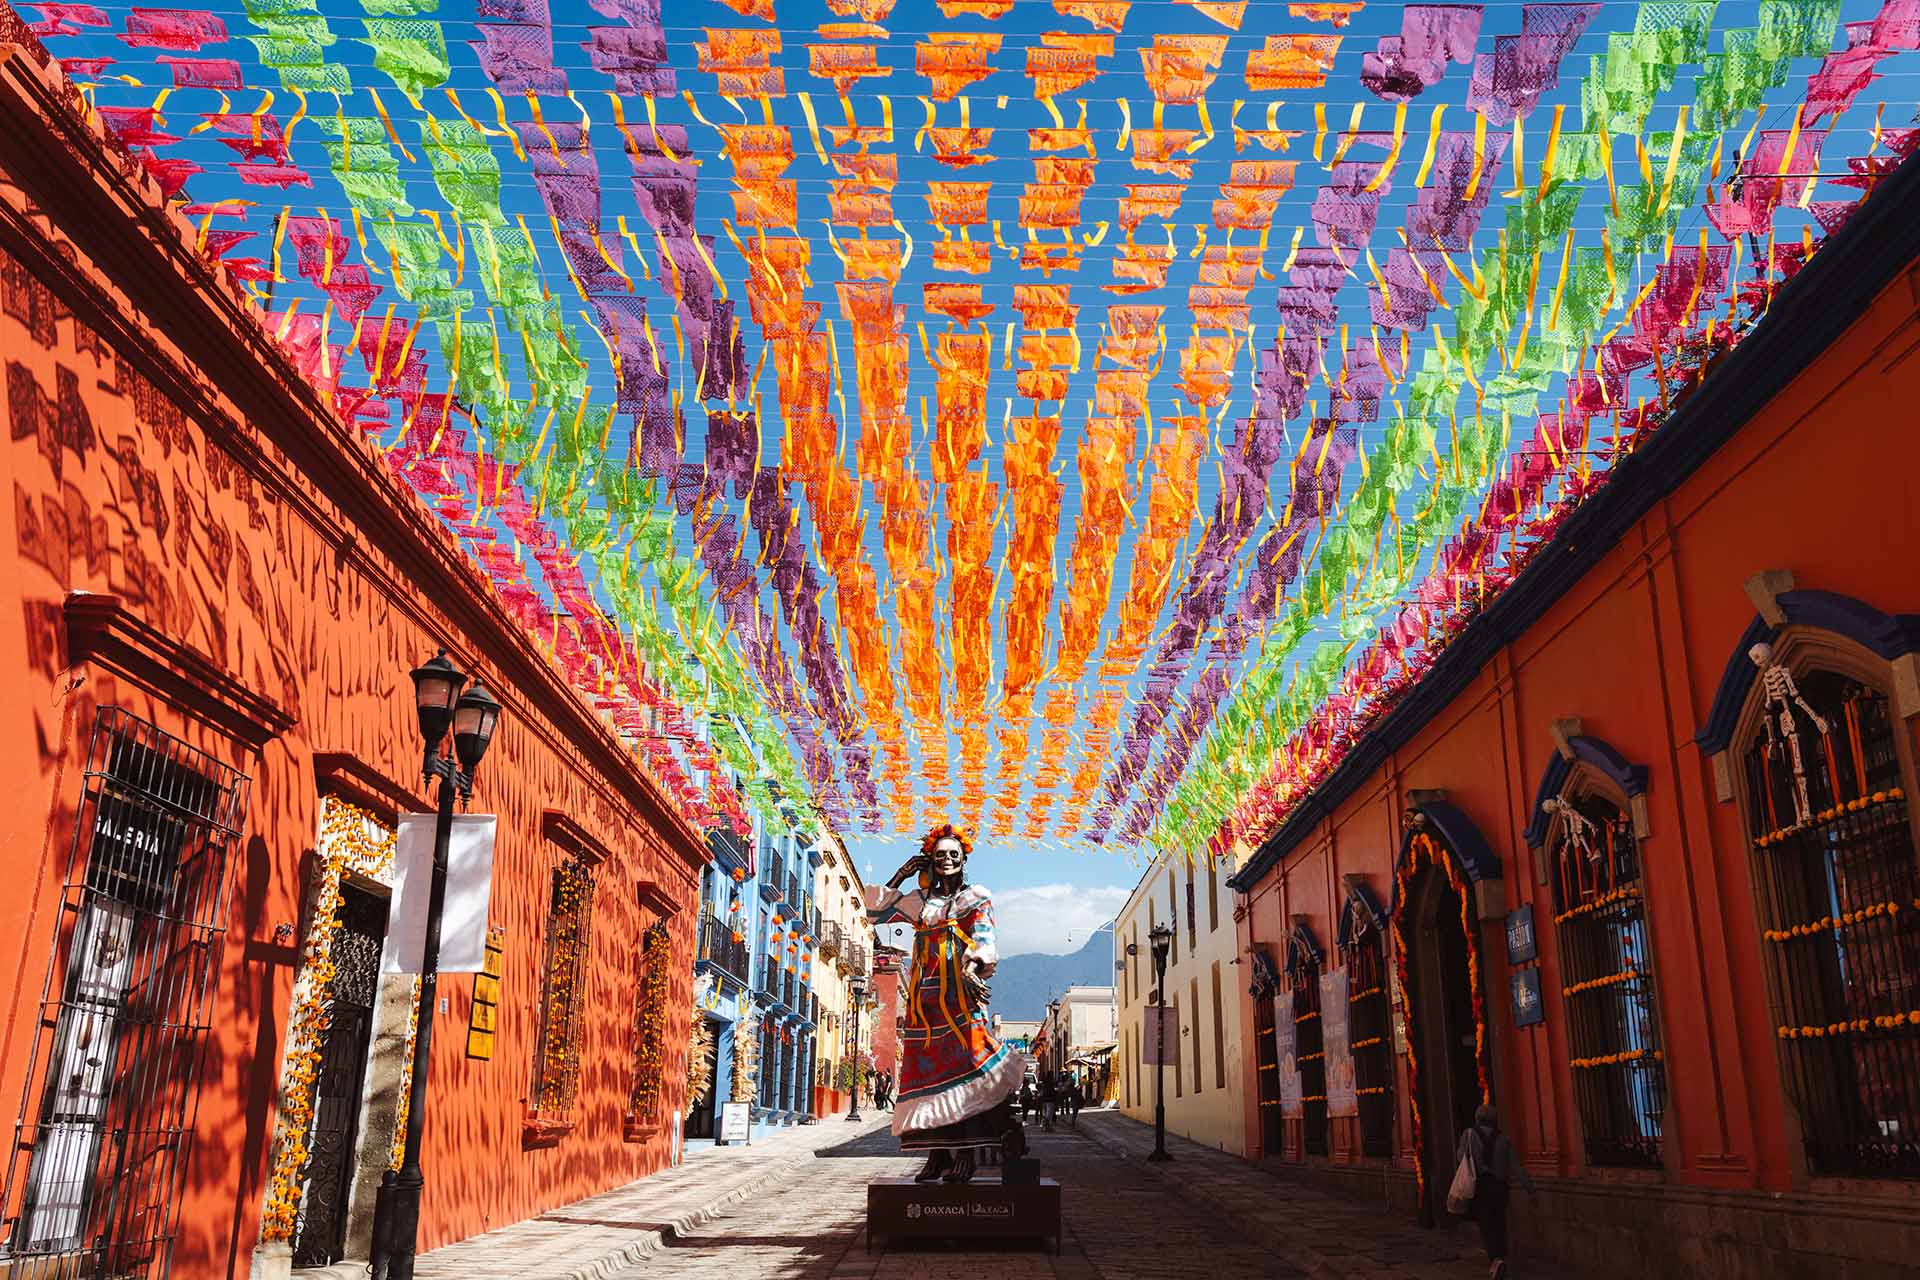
(1522, 945)
(1286, 1045)
(1527, 1007)
(1342, 1100)
(483, 1019)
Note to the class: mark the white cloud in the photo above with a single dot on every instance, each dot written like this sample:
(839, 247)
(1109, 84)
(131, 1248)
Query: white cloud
(1053, 918)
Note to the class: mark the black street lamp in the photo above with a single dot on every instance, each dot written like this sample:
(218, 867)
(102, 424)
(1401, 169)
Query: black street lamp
(856, 996)
(1161, 937)
(472, 717)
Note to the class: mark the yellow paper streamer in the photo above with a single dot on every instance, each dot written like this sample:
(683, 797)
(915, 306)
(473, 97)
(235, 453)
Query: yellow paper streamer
(1393, 155)
(1433, 146)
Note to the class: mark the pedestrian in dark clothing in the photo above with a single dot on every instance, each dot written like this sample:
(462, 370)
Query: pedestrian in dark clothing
(1074, 1100)
(1497, 1168)
(1027, 1102)
(1049, 1099)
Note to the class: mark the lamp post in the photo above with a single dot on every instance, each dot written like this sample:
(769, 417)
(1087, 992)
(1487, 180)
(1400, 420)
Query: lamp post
(856, 996)
(1161, 936)
(472, 715)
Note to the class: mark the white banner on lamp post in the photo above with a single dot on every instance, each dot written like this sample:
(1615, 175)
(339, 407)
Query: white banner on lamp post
(463, 916)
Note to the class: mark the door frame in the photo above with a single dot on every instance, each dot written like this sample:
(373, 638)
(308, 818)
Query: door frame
(1442, 840)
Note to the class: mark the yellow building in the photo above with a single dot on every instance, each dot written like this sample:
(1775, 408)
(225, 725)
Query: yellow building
(1204, 1090)
(843, 959)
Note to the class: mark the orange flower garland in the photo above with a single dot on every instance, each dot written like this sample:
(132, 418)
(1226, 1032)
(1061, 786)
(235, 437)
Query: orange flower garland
(650, 1025)
(351, 839)
(1423, 849)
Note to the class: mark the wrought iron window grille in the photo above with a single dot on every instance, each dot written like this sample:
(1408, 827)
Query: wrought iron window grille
(1606, 967)
(556, 1064)
(1310, 1050)
(106, 1122)
(1370, 1035)
(1841, 927)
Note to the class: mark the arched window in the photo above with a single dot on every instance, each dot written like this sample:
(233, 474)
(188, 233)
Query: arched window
(1833, 846)
(1303, 980)
(1606, 968)
(1363, 944)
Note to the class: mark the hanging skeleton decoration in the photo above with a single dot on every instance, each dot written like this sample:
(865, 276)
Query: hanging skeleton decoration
(1580, 829)
(1782, 696)
(1582, 834)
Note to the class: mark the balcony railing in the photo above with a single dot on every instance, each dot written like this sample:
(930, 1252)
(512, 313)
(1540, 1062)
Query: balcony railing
(718, 948)
(829, 936)
(776, 877)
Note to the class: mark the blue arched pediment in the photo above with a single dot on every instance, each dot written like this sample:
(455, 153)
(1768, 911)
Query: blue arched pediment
(1597, 752)
(1461, 840)
(1303, 949)
(1361, 899)
(1887, 636)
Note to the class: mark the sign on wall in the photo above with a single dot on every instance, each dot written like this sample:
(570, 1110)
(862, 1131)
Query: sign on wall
(1522, 945)
(483, 1020)
(1287, 1053)
(1527, 1007)
(1164, 1047)
(1337, 1042)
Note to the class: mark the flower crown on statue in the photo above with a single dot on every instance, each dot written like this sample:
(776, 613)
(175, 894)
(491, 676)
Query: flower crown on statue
(946, 831)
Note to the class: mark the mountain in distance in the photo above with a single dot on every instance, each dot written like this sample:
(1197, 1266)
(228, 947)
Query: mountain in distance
(1023, 984)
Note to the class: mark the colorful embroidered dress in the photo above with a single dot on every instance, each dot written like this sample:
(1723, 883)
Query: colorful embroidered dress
(955, 1077)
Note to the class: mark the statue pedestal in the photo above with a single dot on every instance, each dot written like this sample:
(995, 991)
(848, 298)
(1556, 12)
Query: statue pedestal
(901, 1209)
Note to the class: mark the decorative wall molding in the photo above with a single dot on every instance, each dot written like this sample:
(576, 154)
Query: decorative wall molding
(352, 778)
(562, 829)
(102, 631)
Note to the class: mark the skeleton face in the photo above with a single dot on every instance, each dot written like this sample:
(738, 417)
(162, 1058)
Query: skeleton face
(1761, 654)
(947, 857)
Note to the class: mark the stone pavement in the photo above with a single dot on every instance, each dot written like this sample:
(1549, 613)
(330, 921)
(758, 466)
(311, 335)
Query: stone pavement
(793, 1208)
(594, 1238)
(1327, 1237)
(1118, 1224)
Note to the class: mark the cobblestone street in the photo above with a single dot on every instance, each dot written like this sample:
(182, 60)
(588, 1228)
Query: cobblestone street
(793, 1208)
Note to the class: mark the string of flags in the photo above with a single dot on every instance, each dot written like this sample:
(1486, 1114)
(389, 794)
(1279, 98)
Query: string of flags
(1077, 419)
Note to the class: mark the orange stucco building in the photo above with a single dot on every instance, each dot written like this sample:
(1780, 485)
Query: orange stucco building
(211, 593)
(1573, 871)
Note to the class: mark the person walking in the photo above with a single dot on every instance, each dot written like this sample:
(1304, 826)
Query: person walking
(1496, 1168)
(1027, 1101)
(1049, 1099)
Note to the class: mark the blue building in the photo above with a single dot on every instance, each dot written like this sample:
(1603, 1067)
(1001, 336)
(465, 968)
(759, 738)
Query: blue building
(752, 974)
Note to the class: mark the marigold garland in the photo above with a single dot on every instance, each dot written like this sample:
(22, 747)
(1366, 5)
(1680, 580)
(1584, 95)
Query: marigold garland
(566, 965)
(1891, 795)
(1600, 903)
(1827, 924)
(350, 839)
(1625, 975)
(1853, 1026)
(650, 1019)
(398, 1152)
(1423, 849)
(1615, 1059)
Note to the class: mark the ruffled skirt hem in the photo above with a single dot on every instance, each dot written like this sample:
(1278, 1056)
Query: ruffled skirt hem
(915, 1116)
